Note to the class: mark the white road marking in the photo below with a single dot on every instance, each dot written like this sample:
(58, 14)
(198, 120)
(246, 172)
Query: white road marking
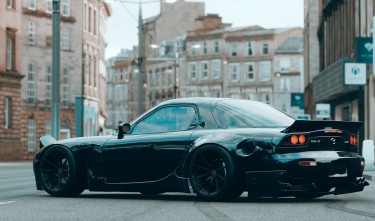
(7, 202)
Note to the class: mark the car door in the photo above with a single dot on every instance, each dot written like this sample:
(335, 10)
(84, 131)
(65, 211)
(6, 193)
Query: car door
(154, 147)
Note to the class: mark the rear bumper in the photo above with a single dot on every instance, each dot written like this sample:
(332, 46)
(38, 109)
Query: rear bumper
(333, 173)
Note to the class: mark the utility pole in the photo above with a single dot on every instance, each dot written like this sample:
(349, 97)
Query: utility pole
(55, 68)
(141, 60)
(175, 75)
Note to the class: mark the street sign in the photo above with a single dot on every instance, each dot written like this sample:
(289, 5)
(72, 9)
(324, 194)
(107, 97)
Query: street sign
(323, 110)
(364, 50)
(303, 117)
(355, 74)
(297, 99)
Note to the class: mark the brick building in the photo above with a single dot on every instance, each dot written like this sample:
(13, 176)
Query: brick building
(11, 115)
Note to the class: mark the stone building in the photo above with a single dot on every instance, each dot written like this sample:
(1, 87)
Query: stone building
(118, 91)
(173, 21)
(342, 25)
(82, 68)
(246, 62)
(11, 115)
(311, 51)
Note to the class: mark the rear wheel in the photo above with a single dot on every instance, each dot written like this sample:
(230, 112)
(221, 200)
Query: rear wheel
(213, 174)
(62, 175)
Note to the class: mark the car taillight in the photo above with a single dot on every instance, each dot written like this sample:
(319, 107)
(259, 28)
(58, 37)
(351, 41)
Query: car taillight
(353, 140)
(294, 140)
(298, 139)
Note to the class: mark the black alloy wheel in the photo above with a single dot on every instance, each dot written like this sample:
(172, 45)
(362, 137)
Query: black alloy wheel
(60, 175)
(212, 174)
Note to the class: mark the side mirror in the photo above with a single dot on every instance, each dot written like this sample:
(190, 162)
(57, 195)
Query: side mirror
(123, 129)
(203, 124)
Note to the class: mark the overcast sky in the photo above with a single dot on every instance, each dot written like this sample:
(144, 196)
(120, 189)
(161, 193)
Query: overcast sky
(122, 29)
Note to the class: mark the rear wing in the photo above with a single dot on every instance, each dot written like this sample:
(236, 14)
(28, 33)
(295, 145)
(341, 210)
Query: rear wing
(46, 141)
(312, 125)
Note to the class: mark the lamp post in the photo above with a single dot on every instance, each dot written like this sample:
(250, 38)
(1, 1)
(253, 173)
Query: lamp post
(175, 76)
(55, 68)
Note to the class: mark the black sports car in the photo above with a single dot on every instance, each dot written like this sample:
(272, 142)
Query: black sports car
(217, 147)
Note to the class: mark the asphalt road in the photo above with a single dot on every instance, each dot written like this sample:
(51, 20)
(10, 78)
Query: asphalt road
(19, 200)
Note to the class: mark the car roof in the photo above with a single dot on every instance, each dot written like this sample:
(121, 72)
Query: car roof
(193, 100)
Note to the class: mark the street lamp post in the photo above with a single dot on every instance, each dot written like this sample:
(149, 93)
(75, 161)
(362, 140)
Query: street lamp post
(140, 60)
(175, 76)
(55, 68)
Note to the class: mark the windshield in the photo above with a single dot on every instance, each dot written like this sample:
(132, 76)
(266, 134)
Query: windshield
(245, 113)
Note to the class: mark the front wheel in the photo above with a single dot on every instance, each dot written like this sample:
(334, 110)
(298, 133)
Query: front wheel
(62, 175)
(213, 175)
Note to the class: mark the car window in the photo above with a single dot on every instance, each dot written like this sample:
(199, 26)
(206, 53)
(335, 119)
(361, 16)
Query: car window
(167, 119)
(243, 113)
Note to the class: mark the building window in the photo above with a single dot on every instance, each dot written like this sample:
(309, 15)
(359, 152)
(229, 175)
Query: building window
(32, 5)
(7, 112)
(49, 6)
(233, 48)
(48, 127)
(192, 49)
(193, 71)
(216, 69)
(10, 51)
(346, 113)
(32, 32)
(284, 108)
(204, 70)
(253, 96)
(65, 87)
(65, 35)
(95, 22)
(285, 65)
(266, 98)
(249, 48)
(285, 84)
(10, 3)
(31, 83)
(249, 71)
(89, 20)
(265, 68)
(265, 48)
(65, 7)
(205, 47)
(31, 135)
(216, 46)
(48, 84)
(234, 72)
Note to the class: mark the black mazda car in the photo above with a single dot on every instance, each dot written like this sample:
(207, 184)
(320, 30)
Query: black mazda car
(215, 147)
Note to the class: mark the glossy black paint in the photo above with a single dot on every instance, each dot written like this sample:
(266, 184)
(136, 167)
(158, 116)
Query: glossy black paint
(160, 162)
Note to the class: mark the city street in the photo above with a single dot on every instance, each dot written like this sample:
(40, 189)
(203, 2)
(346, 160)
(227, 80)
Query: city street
(19, 200)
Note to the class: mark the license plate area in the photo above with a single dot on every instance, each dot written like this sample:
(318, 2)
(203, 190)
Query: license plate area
(338, 169)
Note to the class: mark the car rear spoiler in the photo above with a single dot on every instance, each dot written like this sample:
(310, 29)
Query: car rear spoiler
(312, 125)
(46, 141)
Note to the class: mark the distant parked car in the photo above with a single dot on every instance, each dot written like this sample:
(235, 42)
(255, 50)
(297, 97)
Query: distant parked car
(218, 147)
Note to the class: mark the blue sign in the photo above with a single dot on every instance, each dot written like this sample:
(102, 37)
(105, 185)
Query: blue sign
(297, 99)
(364, 50)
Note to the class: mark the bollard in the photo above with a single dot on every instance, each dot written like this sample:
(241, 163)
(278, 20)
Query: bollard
(368, 154)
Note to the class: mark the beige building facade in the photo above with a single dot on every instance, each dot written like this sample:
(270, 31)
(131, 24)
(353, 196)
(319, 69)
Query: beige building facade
(249, 63)
(27, 101)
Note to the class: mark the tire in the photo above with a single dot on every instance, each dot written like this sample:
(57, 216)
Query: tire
(62, 175)
(213, 175)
